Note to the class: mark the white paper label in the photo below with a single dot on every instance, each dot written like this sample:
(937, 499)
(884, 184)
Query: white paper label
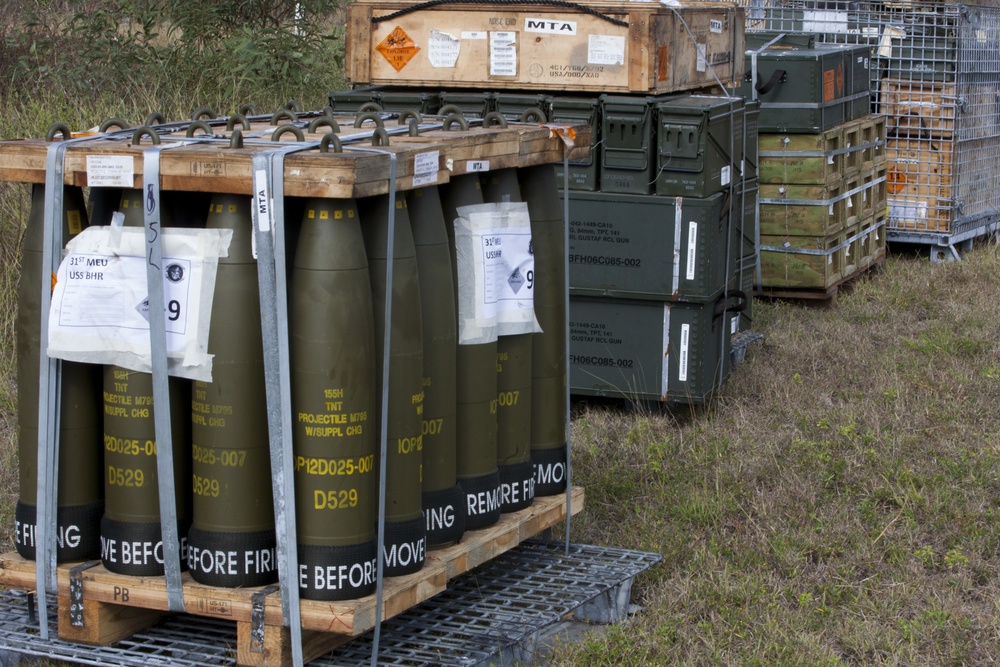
(496, 272)
(474, 34)
(692, 255)
(503, 53)
(605, 50)
(549, 27)
(823, 21)
(425, 168)
(885, 43)
(100, 306)
(724, 175)
(701, 61)
(682, 359)
(477, 165)
(734, 324)
(110, 171)
(715, 25)
(262, 200)
(443, 49)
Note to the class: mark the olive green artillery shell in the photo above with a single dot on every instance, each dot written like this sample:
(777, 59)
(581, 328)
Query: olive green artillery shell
(513, 354)
(476, 387)
(79, 416)
(404, 427)
(437, 304)
(548, 357)
(549, 408)
(229, 414)
(131, 480)
(331, 332)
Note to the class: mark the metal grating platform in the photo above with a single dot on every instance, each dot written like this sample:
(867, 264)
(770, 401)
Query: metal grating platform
(491, 615)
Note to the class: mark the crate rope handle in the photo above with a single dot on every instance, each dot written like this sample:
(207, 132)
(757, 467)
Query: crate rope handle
(548, 3)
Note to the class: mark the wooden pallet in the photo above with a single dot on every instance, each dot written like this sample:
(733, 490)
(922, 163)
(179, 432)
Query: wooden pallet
(117, 606)
(214, 167)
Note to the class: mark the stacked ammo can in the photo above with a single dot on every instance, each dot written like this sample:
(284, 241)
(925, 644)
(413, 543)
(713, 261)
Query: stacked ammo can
(822, 163)
(935, 75)
(661, 248)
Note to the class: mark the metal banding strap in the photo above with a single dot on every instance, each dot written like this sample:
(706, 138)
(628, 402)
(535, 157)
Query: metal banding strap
(76, 592)
(823, 253)
(268, 222)
(257, 609)
(386, 340)
(822, 202)
(838, 151)
(49, 376)
(815, 105)
(158, 358)
(665, 367)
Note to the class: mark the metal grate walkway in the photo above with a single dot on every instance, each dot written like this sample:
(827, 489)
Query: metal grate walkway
(491, 615)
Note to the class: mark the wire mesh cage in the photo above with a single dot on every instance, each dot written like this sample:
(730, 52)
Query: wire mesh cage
(935, 74)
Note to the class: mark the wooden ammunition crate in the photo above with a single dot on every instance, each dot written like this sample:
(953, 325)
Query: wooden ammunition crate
(824, 158)
(791, 209)
(919, 184)
(601, 46)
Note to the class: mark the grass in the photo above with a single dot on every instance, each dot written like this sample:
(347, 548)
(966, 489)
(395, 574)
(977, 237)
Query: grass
(836, 506)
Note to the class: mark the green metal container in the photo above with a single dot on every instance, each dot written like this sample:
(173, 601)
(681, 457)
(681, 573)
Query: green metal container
(699, 144)
(649, 350)
(349, 101)
(524, 107)
(651, 247)
(583, 174)
(471, 104)
(423, 102)
(808, 90)
(628, 160)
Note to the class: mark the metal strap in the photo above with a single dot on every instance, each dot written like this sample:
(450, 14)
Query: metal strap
(49, 376)
(257, 617)
(386, 340)
(76, 592)
(815, 105)
(166, 485)
(829, 153)
(823, 253)
(822, 202)
(269, 223)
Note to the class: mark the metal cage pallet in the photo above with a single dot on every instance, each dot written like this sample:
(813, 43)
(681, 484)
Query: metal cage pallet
(491, 615)
(935, 74)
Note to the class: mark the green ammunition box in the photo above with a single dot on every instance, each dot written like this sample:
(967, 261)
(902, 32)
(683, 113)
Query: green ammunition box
(742, 278)
(699, 144)
(647, 246)
(471, 104)
(583, 174)
(423, 102)
(628, 161)
(349, 101)
(805, 89)
(524, 107)
(649, 350)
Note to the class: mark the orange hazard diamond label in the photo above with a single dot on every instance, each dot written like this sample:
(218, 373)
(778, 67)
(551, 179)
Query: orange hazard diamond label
(397, 48)
(895, 180)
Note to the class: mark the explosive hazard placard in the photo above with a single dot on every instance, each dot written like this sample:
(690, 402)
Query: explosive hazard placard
(398, 48)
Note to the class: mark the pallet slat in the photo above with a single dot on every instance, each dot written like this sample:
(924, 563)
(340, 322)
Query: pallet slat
(116, 606)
